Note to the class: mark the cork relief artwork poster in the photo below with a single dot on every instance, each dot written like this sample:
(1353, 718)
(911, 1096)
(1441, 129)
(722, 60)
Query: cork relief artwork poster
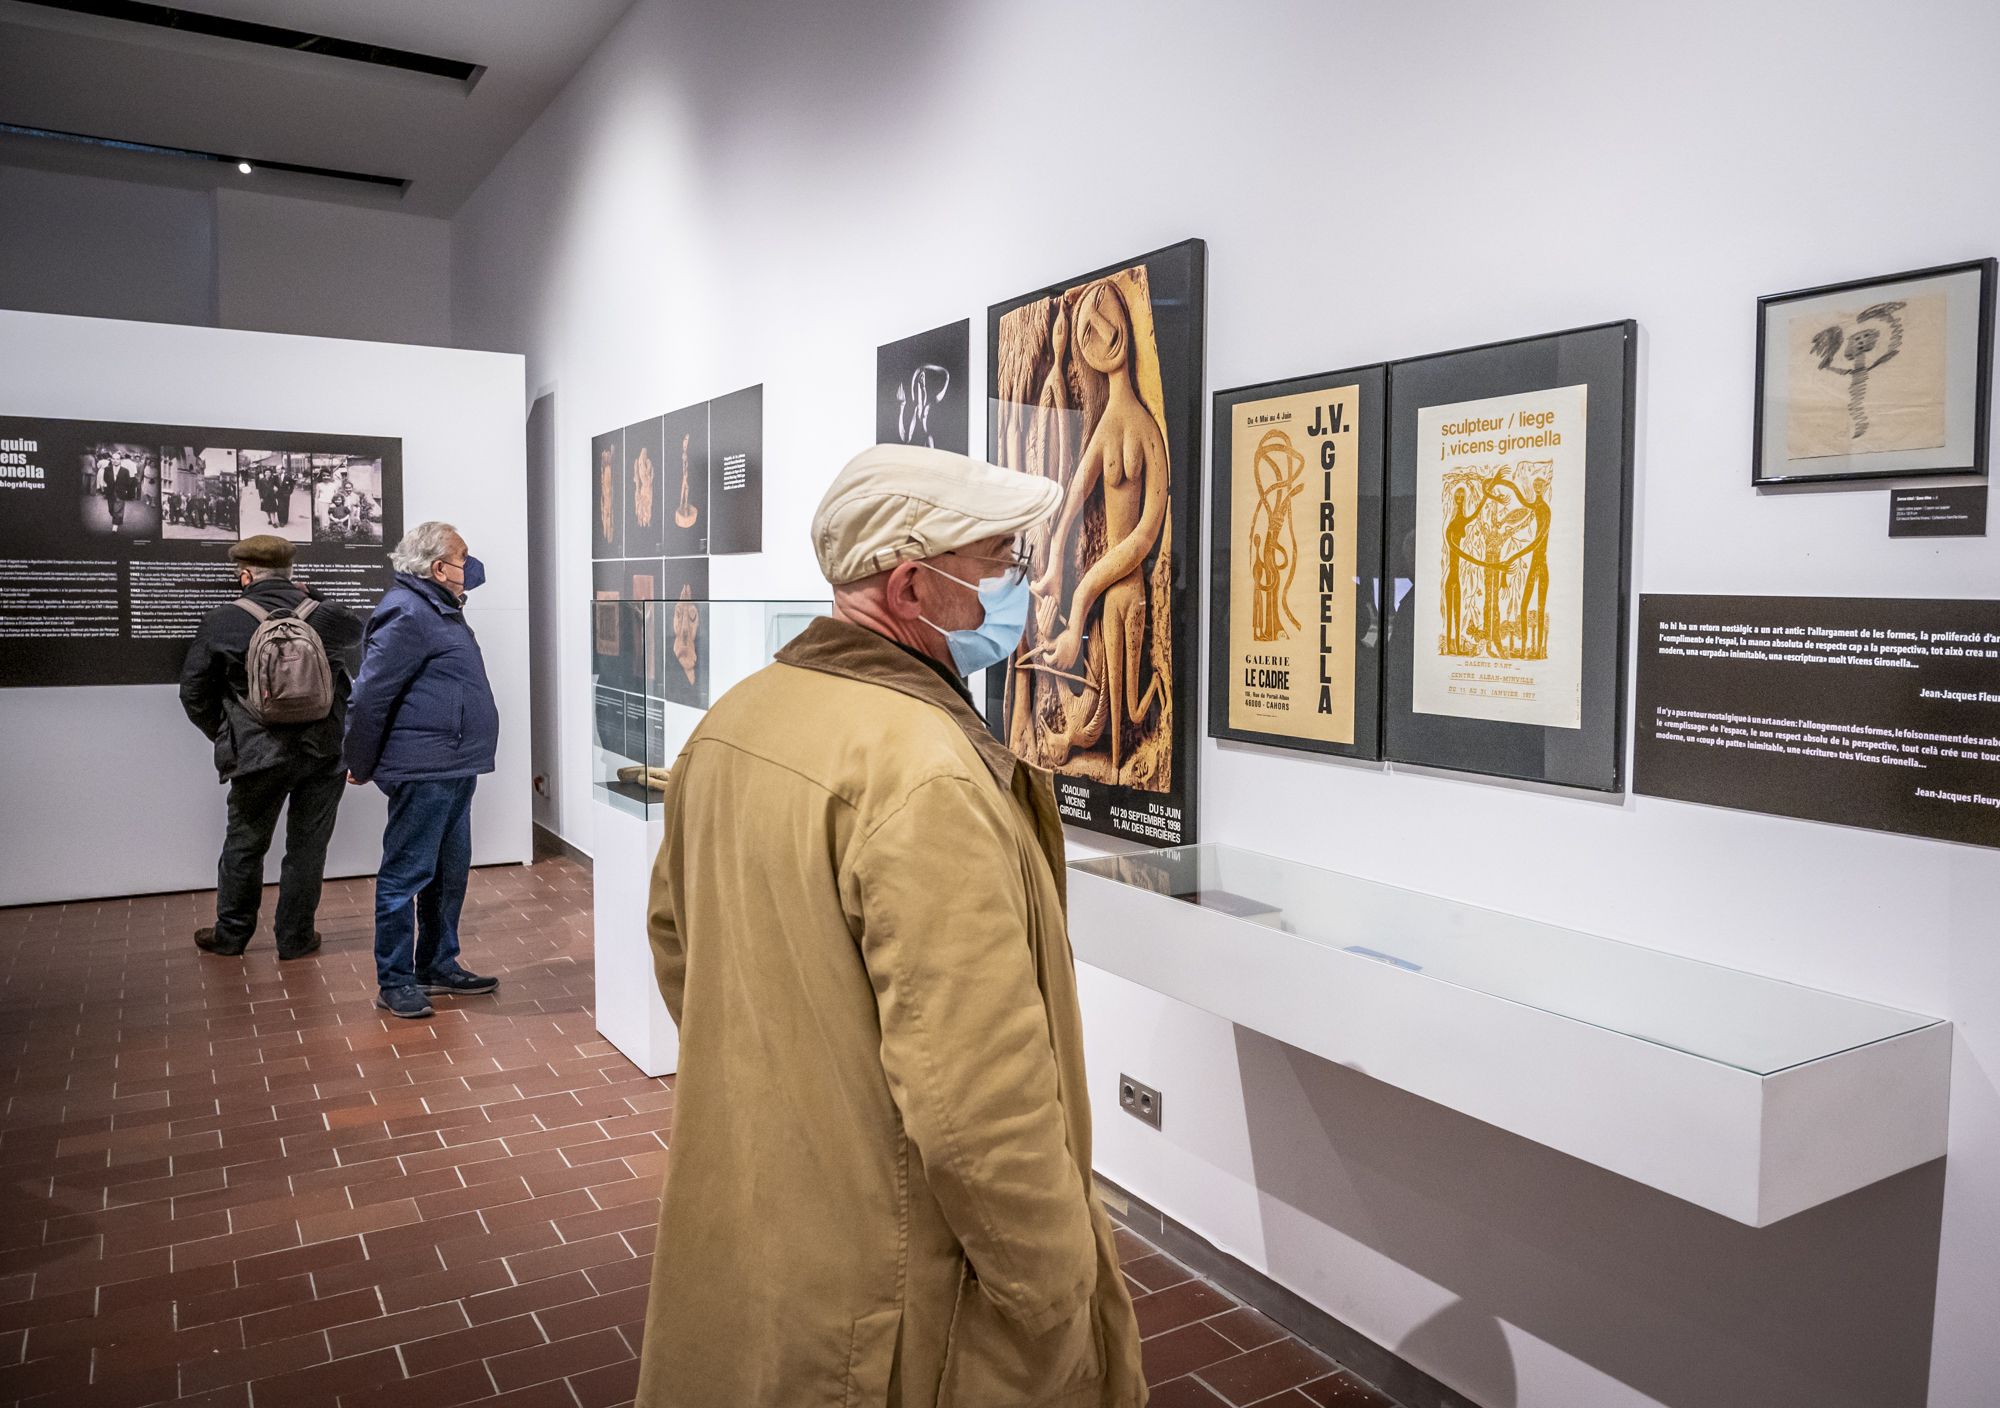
(607, 495)
(1499, 558)
(1293, 514)
(1096, 384)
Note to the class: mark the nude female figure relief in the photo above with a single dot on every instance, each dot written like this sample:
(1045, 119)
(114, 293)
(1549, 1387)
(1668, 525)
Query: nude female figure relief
(1124, 464)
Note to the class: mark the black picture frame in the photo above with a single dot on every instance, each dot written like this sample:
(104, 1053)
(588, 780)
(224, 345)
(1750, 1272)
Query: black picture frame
(1176, 292)
(1226, 661)
(923, 390)
(1603, 358)
(1967, 427)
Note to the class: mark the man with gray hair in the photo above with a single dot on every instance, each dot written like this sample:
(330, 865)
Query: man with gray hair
(268, 765)
(422, 726)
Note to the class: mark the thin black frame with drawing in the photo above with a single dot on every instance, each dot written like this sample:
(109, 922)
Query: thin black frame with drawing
(1982, 388)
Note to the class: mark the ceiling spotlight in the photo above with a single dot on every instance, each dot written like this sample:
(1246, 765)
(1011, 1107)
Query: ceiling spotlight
(244, 167)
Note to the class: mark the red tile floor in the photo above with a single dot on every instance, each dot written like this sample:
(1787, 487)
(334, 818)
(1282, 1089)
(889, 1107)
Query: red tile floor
(233, 1183)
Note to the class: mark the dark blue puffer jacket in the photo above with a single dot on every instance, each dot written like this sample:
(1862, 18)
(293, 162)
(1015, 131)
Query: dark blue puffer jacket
(421, 708)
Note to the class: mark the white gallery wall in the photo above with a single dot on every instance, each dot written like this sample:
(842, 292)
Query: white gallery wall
(110, 791)
(762, 191)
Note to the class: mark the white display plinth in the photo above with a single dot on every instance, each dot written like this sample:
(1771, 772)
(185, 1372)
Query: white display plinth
(631, 1015)
(1749, 1096)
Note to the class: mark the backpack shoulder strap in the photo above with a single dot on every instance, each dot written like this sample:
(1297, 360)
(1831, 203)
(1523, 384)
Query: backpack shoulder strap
(253, 608)
(305, 608)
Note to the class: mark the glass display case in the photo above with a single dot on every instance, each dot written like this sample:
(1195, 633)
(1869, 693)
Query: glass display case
(1756, 1024)
(1746, 1094)
(656, 666)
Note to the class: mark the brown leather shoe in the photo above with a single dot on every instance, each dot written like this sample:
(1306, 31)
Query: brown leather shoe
(204, 939)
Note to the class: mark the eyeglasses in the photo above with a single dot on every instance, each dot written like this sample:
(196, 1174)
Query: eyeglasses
(1014, 570)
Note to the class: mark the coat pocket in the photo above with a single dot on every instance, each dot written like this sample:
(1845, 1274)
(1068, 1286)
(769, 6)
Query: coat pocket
(990, 1362)
(871, 1358)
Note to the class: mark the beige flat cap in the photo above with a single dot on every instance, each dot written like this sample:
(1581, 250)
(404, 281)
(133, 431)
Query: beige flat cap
(903, 503)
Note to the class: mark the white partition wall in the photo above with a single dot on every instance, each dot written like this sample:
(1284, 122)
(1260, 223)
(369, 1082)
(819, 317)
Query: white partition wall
(109, 791)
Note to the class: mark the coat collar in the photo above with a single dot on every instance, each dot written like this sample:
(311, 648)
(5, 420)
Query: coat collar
(835, 647)
(445, 603)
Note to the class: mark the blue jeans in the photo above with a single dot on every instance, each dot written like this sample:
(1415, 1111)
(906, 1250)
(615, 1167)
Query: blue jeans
(426, 853)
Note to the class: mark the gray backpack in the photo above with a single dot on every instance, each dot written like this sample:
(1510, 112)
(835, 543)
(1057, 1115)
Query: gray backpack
(289, 678)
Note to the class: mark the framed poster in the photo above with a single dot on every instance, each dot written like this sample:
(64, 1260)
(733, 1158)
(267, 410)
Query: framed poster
(1876, 377)
(685, 516)
(1295, 550)
(736, 471)
(922, 392)
(115, 535)
(1096, 382)
(1509, 542)
(607, 495)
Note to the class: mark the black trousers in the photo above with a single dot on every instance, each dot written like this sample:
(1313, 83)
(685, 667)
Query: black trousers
(313, 788)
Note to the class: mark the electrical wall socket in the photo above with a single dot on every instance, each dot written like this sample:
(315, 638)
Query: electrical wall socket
(1138, 1100)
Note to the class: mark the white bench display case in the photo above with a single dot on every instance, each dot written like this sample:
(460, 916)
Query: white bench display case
(1750, 1096)
(659, 665)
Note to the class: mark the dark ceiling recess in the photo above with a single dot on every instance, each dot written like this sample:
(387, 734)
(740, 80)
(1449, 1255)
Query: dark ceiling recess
(271, 36)
(328, 173)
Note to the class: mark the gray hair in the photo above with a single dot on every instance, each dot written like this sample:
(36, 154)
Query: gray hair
(422, 546)
(258, 574)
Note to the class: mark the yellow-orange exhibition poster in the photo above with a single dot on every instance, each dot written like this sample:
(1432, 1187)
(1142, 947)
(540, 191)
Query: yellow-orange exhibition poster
(1293, 467)
(1499, 583)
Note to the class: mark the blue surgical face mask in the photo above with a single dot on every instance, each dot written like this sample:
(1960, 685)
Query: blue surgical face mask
(1005, 605)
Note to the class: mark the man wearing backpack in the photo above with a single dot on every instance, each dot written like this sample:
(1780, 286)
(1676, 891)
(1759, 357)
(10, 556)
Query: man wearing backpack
(267, 681)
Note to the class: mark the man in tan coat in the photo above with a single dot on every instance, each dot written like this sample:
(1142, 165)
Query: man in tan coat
(880, 1191)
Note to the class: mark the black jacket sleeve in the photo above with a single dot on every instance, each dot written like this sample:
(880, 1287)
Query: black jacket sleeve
(339, 628)
(203, 684)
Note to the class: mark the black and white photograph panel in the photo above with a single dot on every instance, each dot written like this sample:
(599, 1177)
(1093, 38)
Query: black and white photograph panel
(203, 502)
(347, 500)
(119, 490)
(276, 494)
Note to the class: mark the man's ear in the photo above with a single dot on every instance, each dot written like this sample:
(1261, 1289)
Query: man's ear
(899, 593)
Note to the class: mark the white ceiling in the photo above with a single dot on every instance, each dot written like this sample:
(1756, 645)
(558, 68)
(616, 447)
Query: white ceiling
(143, 83)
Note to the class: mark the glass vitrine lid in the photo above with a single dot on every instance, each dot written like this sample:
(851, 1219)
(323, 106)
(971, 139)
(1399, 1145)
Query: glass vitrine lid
(1744, 1020)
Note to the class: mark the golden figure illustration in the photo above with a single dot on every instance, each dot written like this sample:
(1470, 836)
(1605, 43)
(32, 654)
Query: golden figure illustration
(1081, 403)
(686, 513)
(687, 631)
(1280, 473)
(607, 495)
(1496, 563)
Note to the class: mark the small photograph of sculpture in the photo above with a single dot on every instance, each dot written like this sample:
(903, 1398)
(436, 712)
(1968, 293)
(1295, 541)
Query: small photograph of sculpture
(1090, 692)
